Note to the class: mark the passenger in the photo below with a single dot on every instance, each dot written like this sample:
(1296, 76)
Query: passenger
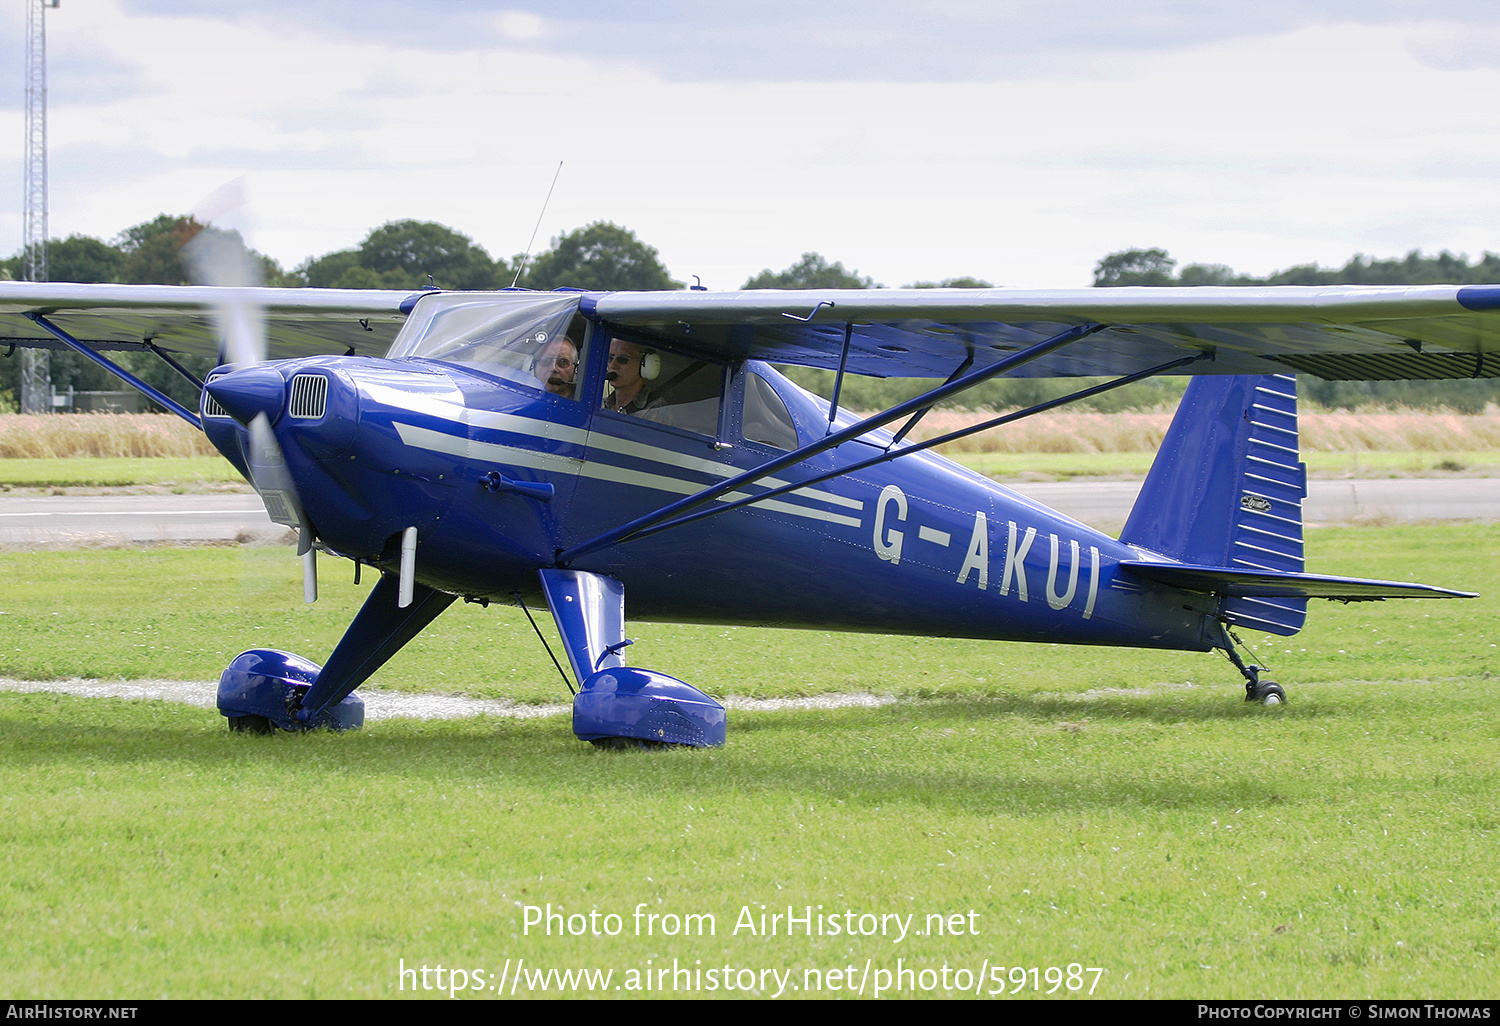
(556, 367)
(629, 395)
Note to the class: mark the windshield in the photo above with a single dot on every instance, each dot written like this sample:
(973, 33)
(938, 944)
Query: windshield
(508, 334)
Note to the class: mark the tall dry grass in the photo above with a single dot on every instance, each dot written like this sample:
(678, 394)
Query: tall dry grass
(1401, 431)
(1338, 431)
(128, 435)
(60, 436)
(1058, 431)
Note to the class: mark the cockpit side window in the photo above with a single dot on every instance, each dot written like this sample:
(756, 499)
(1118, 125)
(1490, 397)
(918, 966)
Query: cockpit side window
(557, 364)
(765, 418)
(528, 339)
(664, 387)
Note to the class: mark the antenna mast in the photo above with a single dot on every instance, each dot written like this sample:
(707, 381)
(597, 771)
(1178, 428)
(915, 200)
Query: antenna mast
(36, 369)
(527, 258)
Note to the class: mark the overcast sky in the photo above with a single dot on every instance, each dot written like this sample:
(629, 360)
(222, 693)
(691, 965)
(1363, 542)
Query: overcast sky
(1013, 140)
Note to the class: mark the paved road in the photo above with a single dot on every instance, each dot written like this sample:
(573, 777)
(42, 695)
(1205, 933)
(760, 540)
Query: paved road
(103, 519)
(54, 520)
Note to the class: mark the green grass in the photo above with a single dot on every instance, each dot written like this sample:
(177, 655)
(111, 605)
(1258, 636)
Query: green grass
(1185, 843)
(101, 472)
(1113, 808)
(181, 613)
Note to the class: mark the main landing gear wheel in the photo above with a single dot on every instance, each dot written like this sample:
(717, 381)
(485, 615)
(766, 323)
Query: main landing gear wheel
(628, 707)
(621, 744)
(1266, 692)
(262, 692)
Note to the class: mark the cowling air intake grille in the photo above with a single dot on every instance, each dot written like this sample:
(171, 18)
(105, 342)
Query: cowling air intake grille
(309, 396)
(279, 507)
(211, 407)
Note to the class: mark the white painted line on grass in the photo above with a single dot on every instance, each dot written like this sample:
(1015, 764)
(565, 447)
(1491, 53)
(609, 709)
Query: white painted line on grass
(387, 705)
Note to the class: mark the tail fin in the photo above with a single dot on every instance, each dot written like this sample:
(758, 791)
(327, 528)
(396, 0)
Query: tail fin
(1226, 490)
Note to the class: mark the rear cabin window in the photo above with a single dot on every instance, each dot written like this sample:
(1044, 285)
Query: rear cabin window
(765, 418)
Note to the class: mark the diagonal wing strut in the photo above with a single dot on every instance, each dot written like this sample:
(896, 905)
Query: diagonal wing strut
(831, 441)
(124, 375)
(886, 457)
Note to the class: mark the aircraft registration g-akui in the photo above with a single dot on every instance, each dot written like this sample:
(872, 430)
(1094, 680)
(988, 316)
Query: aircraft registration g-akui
(576, 448)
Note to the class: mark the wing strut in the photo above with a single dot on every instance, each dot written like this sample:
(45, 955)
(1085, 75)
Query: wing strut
(916, 418)
(124, 375)
(838, 381)
(887, 456)
(166, 357)
(831, 441)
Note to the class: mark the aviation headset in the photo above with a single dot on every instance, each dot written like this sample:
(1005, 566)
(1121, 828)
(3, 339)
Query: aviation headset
(650, 366)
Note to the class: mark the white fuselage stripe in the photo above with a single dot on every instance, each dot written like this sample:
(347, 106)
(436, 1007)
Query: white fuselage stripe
(456, 413)
(454, 445)
(492, 452)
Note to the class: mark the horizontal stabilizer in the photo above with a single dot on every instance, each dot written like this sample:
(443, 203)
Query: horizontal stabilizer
(1280, 584)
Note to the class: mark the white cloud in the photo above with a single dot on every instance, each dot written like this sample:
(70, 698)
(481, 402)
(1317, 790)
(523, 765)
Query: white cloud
(1258, 152)
(1454, 45)
(520, 25)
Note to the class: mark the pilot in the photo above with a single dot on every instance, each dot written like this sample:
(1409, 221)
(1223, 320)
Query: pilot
(556, 366)
(625, 374)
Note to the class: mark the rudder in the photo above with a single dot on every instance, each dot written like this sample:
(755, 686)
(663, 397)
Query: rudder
(1226, 490)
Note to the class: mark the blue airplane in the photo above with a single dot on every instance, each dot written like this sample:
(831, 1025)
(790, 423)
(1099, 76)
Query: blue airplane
(569, 447)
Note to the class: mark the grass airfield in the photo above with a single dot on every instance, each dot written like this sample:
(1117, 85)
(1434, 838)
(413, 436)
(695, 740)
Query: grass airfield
(1116, 809)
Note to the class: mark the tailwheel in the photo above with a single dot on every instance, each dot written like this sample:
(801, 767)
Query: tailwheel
(1266, 692)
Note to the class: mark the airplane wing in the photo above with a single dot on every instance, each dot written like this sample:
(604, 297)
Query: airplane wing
(1335, 332)
(300, 322)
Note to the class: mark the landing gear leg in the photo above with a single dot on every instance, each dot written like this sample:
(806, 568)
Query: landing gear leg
(1266, 692)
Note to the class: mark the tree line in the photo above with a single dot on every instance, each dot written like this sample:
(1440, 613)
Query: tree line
(1155, 267)
(405, 255)
(602, 256)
